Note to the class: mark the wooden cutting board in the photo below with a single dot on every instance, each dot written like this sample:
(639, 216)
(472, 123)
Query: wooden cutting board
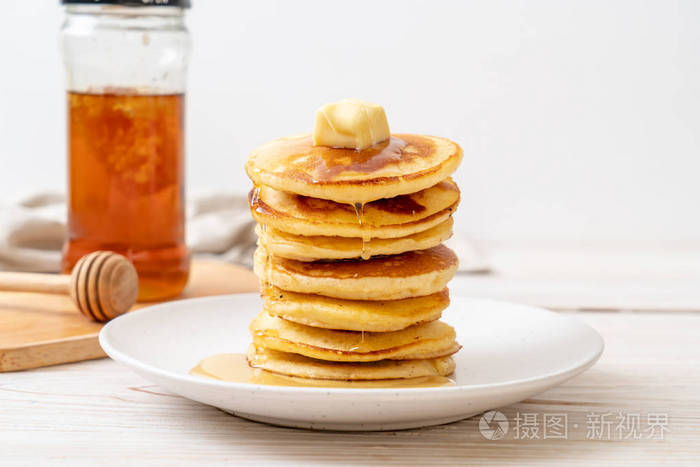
(40, 330)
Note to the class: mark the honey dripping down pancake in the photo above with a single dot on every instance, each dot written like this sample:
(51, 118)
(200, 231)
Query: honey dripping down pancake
(403, 164)
(353, 315)
(384, 218)
(410, 274)
(317, 247)
(430, 340)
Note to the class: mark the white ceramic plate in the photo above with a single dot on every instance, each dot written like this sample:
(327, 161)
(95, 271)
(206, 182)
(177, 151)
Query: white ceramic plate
(510, 352)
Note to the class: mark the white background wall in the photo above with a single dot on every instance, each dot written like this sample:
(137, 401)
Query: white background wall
(580, 120)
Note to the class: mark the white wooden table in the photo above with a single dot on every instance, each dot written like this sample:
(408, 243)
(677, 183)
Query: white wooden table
(98, 413)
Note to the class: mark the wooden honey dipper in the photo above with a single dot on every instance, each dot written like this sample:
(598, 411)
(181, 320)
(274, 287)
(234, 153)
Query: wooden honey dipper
(103, 284)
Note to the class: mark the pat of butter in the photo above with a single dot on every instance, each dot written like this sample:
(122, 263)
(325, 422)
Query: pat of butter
(350, 123)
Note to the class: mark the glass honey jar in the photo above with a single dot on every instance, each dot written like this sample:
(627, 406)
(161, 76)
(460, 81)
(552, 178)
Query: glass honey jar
(126, 63)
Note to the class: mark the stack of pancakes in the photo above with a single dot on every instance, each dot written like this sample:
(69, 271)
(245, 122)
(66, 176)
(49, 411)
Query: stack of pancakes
(350, 258)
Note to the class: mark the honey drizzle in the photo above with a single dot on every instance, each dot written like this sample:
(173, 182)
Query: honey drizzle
(366, 252)
(254, 202)
(255, 198)
(268, 264)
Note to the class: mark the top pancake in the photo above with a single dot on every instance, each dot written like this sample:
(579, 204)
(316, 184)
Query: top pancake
(403, 164)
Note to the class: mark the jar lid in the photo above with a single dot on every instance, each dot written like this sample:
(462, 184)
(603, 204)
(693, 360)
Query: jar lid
(134, 3)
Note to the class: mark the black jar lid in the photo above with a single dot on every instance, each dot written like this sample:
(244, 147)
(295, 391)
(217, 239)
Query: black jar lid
(134, 3)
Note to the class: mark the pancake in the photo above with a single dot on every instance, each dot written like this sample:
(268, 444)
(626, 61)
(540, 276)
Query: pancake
(403, 164)
(317, 247)
(304, 367)
(410, 274)
(353, 315)
(384, 218)
(430, 340)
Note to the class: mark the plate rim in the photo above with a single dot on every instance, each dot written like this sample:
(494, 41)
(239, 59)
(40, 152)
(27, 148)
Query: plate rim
(124, 359)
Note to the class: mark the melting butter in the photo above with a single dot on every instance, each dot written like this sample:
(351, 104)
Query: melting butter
(350, 123)
(234, 367)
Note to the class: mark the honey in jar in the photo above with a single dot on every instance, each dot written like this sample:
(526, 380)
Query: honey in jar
(126, 184)
(126, 65)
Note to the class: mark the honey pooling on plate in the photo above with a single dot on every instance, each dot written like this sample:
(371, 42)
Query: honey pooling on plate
(126, 184)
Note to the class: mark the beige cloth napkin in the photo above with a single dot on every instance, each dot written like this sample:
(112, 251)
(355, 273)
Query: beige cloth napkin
(32, 232)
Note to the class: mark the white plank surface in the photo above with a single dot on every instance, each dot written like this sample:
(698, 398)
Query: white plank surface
(600, 276)
(98, 413)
